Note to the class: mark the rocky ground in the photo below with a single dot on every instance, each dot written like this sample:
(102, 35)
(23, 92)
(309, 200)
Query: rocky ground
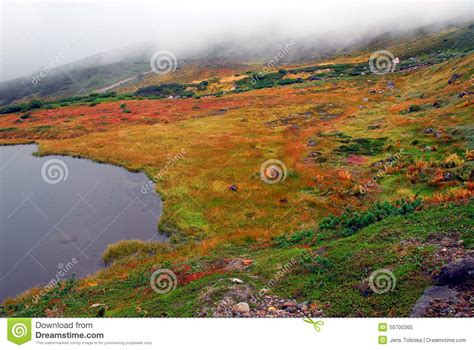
(453, 292)
(241, 300)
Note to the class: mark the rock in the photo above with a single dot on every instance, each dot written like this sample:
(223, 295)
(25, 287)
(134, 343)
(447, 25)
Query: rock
(374, 126)
(462, 94)
(456, 272)
(236, 280)
(289, 304)
(311, 143)
(241, 308)
(314, 154)
(364, 288)
(233, 188)
(429, 148)
(390, 84)
(378, 164)
(272, 309)
(96, 305)
(453, 78)
(437, 104)
(448, 176)
(421, 307)
(429, 131)
(365, 99)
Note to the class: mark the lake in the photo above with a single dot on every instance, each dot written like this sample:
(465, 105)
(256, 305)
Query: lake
(58, 214)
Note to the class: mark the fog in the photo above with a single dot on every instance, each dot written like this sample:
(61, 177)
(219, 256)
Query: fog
(34, 33)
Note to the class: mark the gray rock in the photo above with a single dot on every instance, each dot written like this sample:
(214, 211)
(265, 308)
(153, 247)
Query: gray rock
(456, 273)
(430, 294)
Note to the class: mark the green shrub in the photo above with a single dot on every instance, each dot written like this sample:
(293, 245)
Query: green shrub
(124, 248)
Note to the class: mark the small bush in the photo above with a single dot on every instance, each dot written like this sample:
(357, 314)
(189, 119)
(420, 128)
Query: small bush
(122, 249)
(452, 161)
(414, 108)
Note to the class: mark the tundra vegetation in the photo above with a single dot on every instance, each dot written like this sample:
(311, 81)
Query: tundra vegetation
(333, 124)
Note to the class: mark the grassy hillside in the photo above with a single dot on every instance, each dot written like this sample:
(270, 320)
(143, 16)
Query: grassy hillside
(348, 139)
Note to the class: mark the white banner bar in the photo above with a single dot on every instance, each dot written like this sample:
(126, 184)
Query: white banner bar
(159, 333)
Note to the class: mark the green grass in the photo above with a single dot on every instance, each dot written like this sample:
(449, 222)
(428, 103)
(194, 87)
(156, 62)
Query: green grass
(329, 273)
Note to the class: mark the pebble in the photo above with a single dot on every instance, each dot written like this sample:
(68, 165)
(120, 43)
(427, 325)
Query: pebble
(241, 308)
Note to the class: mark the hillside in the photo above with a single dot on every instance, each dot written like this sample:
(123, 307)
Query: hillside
(103, 70)
(350, 140)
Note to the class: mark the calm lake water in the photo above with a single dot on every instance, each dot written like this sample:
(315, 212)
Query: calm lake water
(58, 214)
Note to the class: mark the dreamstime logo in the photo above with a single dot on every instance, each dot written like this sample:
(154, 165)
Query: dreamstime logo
(163, 62)
(273, 171)
(19, 330)
(163, 281)
(54, 171)
(382, 281)
(383, 62)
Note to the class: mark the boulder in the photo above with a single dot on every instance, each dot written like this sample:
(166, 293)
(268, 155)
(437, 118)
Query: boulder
(431, 294)
(456, 272)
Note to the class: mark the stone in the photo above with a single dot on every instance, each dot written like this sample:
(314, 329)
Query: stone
(233, 188)
(314, 154)
(236, 280)
(241, 308)
(431, 294)
(453, 78)
(289, 304)
(429, 131)
(272, 309)
(448, 176)
(456, 272)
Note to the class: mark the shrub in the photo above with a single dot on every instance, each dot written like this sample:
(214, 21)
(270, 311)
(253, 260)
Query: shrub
(350, 222)
(452, 161)
(414, 108)
(124, 248)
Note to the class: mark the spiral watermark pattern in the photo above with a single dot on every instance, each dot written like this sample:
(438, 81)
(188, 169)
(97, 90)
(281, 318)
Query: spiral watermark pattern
(54, 171)
(382, 62)
(163, 281)
(19, 330)
(163, 62)
(382, 281)
(273, 171)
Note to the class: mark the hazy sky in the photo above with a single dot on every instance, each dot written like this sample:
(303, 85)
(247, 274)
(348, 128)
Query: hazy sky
(36, 33)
